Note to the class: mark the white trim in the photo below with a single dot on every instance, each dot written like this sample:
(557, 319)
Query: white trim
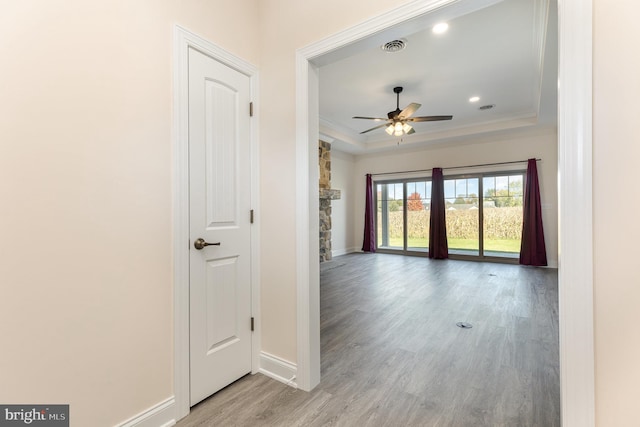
(575, 225)
(181, 222)
(308, 282)
(340, 252)
(159, 415)
(302, 223)
(183, 40)
(256, 339)
(575, 192)
(278, 369)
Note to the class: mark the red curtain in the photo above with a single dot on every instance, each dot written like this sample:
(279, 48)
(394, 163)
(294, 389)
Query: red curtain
(438, 247)
(369, 242)
(532, 247)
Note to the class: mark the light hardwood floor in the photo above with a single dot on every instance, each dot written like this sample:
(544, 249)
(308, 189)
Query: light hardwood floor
(393, 356)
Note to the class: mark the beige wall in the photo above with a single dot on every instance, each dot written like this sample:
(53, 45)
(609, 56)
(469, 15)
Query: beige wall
(616, 210)
(342, 219)
(85, 195)
(521, 145)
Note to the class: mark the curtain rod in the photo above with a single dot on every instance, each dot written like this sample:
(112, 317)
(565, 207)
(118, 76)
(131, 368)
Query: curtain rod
(454, 167)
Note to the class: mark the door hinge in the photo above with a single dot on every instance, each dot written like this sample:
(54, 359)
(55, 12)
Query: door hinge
(251, 109)
(252, 324)
(251, 216)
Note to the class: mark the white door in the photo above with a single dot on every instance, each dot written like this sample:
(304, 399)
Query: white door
(219, 193)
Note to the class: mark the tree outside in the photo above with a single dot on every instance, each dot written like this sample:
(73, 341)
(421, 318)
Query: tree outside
(414, 202)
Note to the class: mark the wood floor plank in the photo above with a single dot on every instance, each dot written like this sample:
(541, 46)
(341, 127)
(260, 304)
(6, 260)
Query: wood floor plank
(393, 356)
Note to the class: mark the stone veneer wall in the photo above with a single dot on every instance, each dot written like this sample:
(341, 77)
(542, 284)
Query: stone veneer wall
(326, 195)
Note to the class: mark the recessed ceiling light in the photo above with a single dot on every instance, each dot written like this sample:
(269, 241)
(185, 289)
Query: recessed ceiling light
(440, 28)
(474, 99)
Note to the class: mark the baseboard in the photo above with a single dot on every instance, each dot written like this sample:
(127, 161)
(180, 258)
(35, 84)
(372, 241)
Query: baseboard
(339, 252)
(278, 369)
(159, 415)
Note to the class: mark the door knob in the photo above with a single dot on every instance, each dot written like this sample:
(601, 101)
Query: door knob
(200, 244)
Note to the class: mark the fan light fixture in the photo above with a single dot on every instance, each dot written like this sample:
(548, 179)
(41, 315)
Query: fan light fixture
(398, 128)
(396, 120)
(389, 129)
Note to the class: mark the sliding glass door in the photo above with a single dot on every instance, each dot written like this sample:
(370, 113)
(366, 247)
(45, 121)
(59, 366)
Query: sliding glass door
(403, 215)
(502, 219)
(390, 201)
(417, 214)
(462, 206)
(483, 214)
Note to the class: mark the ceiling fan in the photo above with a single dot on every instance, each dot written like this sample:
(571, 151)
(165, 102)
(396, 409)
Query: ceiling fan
(396, 121)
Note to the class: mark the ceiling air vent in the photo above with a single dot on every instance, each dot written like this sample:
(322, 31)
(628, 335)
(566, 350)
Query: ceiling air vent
(394, 46)
(487, 107)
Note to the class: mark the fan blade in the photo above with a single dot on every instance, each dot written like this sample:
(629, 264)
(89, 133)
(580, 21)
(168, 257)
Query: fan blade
(429, 118)
(377, 127)
(409, 110)
(377, 119)
(411, 131)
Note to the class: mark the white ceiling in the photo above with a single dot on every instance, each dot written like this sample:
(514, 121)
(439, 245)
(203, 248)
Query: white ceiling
(502, 53)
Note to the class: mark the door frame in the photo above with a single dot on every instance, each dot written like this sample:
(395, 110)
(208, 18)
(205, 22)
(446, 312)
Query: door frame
(184, 39)
(575, 218)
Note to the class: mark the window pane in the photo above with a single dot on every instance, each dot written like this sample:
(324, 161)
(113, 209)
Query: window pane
(390, 221)
(472, 187)
(462, 215)
(449, 188)
(411, 187)
(515, 185)
(417, 216)
(397, 195)
(502, 223)
(502, 183)
(461, 187)
(489, 184)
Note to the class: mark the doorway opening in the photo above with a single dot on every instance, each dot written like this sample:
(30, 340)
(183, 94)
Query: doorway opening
(574, 166)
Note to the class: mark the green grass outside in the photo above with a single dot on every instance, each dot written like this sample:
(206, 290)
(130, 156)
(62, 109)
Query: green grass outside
(497, 245)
